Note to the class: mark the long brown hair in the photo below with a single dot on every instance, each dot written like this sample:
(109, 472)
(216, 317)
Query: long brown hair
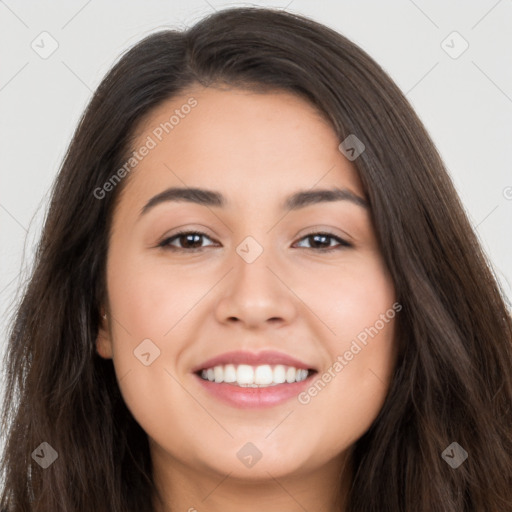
(452, 381)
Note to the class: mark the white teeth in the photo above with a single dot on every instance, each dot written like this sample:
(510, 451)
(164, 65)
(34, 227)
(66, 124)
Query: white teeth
(229, 373)
(263, 375)
(218, 373)
(245, 375)
(279, 374)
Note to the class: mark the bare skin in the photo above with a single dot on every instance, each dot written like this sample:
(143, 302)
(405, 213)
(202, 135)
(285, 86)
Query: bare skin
(256, 149)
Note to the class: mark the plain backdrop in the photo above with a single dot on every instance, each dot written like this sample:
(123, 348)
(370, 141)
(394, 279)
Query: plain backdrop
(452, 60)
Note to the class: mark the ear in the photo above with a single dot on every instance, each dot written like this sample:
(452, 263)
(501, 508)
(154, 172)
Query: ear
(103, 341)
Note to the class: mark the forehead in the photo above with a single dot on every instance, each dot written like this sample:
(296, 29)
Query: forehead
(265, 144)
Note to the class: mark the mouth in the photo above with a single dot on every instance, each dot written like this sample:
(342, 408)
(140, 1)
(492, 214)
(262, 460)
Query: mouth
(247, 380)
(261, 376)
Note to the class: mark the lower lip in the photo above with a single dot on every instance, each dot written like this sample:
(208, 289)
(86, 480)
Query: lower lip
(247, 398)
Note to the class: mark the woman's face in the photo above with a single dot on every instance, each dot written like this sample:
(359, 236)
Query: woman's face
(256, 290)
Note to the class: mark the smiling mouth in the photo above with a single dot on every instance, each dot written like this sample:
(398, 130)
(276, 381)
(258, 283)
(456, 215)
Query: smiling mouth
(260, 376)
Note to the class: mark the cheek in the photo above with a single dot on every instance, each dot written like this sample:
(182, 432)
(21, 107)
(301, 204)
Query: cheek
(357, 304)
(350, 297)
(152, 305)
(365, 327)
(149, 306)
(149, 298)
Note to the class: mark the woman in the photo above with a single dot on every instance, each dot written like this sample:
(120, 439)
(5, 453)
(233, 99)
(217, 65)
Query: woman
(256, 288)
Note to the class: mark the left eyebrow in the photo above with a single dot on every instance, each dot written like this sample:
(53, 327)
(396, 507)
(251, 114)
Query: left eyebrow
(305, 198)
(296, 201)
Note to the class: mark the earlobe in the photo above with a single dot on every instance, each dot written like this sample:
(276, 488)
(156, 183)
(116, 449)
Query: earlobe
(103, 342)
(104, 347)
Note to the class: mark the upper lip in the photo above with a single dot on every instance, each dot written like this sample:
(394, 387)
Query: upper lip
(236, 357)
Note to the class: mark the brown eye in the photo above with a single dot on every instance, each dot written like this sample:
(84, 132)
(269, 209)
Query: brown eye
(187, 240)
(321, 242)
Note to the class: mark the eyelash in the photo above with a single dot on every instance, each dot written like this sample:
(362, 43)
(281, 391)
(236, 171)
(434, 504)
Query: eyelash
(166, 242)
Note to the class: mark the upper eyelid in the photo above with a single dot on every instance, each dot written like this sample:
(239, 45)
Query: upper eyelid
(314, 229)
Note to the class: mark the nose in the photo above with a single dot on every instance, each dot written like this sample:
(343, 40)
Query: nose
(256, 294)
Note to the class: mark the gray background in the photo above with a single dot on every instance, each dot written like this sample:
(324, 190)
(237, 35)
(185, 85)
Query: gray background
(465, 102)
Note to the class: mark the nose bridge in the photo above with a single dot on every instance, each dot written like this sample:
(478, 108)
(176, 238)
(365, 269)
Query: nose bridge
(252, 262)
(255, 294)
